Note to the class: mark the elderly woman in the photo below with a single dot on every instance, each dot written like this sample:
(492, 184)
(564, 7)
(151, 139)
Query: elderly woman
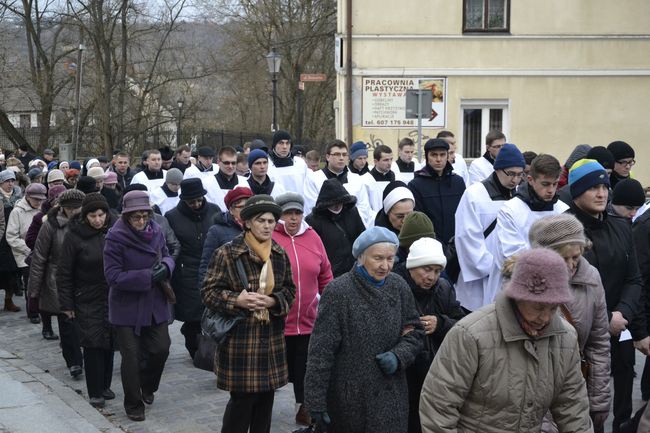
(398, 202)
(83, 293)
(501, 368)
(42, 288)
(435, 299)
(251, 276)
(10, 194)
(587, 311)
(367, 333)
(136, 264)
(311, 271)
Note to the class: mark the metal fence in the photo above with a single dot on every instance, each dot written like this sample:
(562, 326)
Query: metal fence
(90, 143)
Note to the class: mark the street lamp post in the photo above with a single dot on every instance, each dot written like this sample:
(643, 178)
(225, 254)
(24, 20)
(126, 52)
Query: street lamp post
(273, 60)
(180, 102)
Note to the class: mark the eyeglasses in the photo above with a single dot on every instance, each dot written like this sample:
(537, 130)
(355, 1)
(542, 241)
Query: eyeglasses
(228, 162)
(513, 174)
(628, 163)
(339, 154)
(138, 217)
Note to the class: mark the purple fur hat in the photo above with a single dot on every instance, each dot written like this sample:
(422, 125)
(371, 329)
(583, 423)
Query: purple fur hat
(539, 275)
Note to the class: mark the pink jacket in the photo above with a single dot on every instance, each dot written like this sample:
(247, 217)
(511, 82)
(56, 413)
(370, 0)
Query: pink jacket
(311, 272)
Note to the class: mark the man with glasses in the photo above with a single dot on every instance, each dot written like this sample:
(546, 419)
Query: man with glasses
(190, 220)
(482, 167)
(285, 169)
(623, 161)
(476, 218)
(531, 202)
(225, 179)
(337, 157)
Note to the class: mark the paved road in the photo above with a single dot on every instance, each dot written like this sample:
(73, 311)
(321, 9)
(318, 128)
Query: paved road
(188, 400)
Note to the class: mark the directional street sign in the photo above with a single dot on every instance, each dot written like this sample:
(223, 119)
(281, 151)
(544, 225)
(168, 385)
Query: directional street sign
(313, 77)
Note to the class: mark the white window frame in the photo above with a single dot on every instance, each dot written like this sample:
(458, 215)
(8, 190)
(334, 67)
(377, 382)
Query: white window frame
(484, 105)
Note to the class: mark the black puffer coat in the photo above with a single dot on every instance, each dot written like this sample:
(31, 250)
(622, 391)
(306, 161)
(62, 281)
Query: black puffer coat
(7, 261)
(191, 228)
(337, 231)
(81, 283)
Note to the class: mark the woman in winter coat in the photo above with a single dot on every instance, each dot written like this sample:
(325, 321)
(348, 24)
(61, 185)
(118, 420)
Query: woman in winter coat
(30, 241)
(252, 363)
(367, 333)
(336, 220)
(83, 293)
(501, 368)
(42, 288)
(588, 312)
(311, 272)
(136, 264)
(19, 221)
(225, 229)
(190, 220)
(435, 300)
(10, 194)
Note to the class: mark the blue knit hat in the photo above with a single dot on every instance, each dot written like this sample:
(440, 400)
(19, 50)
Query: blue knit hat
(509, 156)
(358, 149)
(76, 165)
(255, 155)
(52, 165)
(371, 236)
(584, 174)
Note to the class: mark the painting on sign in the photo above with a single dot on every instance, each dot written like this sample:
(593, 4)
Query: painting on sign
(383, 102)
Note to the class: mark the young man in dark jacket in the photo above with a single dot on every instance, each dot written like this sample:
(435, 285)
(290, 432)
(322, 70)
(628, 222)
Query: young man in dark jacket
(437, 190)
(336, 220)
(613, 254)
(190, 221)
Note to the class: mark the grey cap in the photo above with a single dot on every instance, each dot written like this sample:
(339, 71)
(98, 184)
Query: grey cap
(6, 175)
(291, 200)
(174, 176)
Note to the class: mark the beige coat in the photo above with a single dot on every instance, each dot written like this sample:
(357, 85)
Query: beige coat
(19, 221)
(491, 377)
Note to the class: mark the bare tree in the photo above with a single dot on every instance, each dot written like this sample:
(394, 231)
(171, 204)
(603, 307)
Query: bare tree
(46, 36)
(302, 31)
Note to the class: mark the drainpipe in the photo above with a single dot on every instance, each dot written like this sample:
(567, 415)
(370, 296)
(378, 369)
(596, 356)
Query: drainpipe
(348, 72)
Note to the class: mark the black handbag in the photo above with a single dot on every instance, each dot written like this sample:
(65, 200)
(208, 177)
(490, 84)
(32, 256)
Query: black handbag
(204, 355)
(218, 325)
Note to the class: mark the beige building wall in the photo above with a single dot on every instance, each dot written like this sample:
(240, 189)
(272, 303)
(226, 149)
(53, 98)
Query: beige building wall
(570, 72)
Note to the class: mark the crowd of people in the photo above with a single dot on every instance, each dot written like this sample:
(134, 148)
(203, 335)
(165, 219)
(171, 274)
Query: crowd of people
(509, 294)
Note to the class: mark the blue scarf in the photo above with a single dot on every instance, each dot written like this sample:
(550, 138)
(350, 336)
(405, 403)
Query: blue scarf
(366, 276)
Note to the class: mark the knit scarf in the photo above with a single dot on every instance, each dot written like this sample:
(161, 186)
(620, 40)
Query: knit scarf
(267, 280)
(279, 161)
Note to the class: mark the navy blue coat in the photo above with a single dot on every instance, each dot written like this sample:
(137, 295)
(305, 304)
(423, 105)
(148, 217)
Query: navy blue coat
(438, 197)
(222, 232)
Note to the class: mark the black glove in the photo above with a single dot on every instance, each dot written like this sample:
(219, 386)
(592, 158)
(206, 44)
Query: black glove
(159, 272)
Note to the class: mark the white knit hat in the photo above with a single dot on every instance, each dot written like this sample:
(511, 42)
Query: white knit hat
(398, 194)
(97, 173)
(424, 252)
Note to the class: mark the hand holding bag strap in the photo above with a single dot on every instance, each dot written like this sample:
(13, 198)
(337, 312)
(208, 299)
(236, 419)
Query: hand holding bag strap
(242, 273)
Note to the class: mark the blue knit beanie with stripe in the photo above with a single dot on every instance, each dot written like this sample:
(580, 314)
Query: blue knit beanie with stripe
(585, 174)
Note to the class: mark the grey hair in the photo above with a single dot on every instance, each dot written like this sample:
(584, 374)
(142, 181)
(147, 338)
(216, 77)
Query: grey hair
(362, 257)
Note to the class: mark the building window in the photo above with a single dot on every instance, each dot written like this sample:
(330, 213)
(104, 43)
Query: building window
(25, 121)
(480, 117)
(486, 15)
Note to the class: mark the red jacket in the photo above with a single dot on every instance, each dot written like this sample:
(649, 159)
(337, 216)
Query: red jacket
(311, 272)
